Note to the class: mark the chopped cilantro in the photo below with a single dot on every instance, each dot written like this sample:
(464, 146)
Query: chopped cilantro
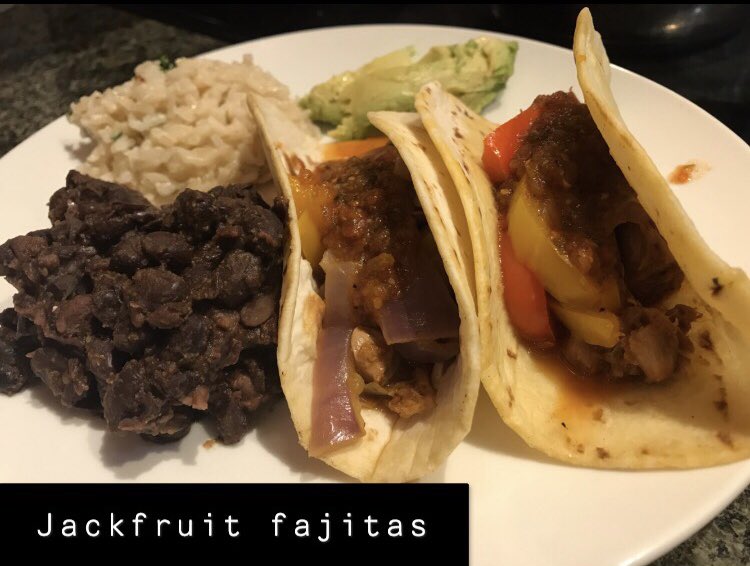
(166, 63)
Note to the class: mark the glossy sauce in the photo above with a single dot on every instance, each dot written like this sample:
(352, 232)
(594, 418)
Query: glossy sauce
(691, 171)
(372, 219)
(581, 398)
(682, 174)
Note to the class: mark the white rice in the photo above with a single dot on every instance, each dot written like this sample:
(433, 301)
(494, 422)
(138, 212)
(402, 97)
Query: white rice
(190, 126)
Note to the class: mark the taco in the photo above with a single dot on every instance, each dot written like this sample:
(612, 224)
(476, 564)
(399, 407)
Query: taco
(612, 336)
(378, 346)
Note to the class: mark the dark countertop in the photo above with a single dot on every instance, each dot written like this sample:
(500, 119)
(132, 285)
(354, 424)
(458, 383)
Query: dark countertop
(52, 55)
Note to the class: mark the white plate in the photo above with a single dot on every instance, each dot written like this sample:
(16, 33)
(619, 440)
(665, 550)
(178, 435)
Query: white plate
(525, 509)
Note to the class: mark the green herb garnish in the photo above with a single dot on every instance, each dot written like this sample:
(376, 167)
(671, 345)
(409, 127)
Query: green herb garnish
(166, 63)
(116, 136)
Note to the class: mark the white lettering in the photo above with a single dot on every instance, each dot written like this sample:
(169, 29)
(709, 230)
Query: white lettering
(69, 528)
(370, 521)
(417, 528)
(49, 527)
(277, 520)
(302, 529)
(114, 527)
(394, 528)
(159, 523)
(189, 533)
(139, 518)
(229, 521)
(89, 531)
(327, 524)
(209, 521)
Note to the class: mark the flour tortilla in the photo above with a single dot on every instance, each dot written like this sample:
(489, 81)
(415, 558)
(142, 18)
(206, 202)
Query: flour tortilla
(393, 449)
(701, 416)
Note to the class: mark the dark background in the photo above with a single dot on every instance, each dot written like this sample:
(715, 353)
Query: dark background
(50, 55)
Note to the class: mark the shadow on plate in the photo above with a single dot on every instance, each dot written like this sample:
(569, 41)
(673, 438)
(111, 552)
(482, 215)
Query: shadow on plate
(81, 150)
(129, 455)
(42, 398)
(489, 432)
(438, 476)
(496, 104)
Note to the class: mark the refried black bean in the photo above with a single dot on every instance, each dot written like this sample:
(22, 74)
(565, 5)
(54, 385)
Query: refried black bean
(134, 311)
